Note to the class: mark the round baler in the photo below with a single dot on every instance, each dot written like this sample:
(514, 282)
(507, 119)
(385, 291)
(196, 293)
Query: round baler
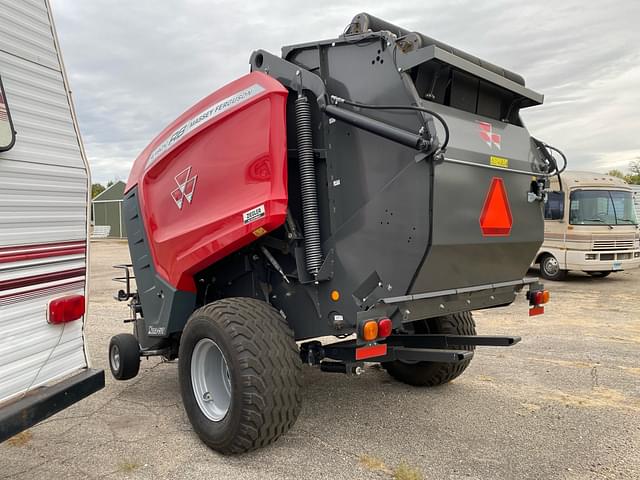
(376, 188)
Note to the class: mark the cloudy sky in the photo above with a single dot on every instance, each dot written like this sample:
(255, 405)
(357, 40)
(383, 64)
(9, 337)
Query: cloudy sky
(135, 66)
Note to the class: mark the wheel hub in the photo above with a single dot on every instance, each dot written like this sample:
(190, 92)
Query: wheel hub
(551, 266)
(210, 380)
(115, 357)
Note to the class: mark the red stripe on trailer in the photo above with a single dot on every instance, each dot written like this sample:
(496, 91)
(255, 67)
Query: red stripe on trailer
(19, 257)
(42, 278)
(40, 246)
(371, 351)
(40, 291)
(31, 252)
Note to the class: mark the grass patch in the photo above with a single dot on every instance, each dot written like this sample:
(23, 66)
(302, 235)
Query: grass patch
(401, 472)
(406, 472)
(129, 466)
(20, 439)
(374, 464)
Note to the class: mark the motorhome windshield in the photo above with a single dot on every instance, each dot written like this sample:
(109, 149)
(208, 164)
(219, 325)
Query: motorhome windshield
(602, 207)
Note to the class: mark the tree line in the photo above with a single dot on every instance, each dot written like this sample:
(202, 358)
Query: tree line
(632, 176)
(98, 188)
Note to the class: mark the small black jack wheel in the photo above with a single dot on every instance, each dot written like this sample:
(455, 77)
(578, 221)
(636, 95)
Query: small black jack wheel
(124, 356)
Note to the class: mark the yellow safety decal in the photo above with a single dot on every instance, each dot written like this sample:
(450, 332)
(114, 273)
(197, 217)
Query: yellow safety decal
(258, 232)
(499, 162)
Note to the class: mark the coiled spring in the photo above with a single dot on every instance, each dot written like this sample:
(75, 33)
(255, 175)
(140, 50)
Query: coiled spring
(310, 216)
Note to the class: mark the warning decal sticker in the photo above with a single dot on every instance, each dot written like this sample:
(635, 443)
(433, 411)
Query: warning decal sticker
(254, 214)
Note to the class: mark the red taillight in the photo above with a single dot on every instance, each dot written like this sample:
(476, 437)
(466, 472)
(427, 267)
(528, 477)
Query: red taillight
(540, 297)
(384, 328)
(66, 309)
(536, 298)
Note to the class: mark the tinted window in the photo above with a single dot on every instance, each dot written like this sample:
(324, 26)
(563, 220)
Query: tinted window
(602, 207)
(554, 206)
(7, 135)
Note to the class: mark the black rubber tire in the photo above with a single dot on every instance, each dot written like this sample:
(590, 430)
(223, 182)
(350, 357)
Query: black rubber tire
(265, 371)
(129, 356)
(558, 276)
(431, 374)
(599, 274)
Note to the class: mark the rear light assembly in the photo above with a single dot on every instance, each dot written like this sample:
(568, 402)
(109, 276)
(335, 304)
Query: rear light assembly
(540, 297)
(384, 328)
(66, 309)
(537, 298)
(371, 330)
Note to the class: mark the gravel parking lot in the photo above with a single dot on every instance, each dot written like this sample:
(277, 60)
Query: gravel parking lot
(562, 404)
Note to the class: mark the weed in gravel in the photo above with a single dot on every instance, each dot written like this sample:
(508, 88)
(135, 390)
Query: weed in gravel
(374, 464)
(129, 466)
(406, 472)
(20, 439)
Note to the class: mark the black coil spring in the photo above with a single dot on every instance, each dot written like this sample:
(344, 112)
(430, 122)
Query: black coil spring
(310, 216)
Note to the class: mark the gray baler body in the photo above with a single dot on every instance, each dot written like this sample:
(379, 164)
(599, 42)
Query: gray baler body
(399, 224)
(401, 232)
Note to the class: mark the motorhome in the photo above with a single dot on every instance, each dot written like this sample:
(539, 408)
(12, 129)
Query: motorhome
(44, 189)
(590, 226)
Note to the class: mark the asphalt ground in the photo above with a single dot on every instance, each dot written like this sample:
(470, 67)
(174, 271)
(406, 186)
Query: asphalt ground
(562, 404)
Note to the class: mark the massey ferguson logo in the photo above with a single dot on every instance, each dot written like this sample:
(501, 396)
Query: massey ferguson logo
(186, 187)
(487, 135)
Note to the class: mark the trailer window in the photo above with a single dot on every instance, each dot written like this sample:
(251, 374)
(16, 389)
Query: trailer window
(554, 206)
(7, 135)
(602, 207)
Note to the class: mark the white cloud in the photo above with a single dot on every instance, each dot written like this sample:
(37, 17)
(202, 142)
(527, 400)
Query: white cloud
(135, 66)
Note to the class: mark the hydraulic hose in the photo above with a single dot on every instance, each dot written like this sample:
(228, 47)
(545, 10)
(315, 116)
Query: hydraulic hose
(435, 115)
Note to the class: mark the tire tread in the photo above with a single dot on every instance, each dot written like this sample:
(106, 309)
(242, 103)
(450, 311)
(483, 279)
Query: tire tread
(270, 370)
(431, 374)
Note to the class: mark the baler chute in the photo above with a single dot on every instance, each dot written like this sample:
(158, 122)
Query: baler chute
(380, 184)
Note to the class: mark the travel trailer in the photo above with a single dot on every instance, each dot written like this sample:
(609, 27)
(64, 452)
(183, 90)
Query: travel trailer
(591, 225)
(45, 185)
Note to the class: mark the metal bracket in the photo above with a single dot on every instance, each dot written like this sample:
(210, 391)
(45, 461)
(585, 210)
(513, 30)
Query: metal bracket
(124, 295)
(326, 269)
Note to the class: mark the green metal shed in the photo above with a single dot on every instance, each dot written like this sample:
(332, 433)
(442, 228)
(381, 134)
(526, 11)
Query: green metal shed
(106, 209)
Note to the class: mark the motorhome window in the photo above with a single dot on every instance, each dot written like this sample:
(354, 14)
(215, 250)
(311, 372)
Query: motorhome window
(602, 207)
(554, 206)
(7, 135)
(625, 209)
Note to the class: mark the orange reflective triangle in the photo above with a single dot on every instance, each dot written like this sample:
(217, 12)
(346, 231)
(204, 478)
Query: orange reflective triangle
(495, 219)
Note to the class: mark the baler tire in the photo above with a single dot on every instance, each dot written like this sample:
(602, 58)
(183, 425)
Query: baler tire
(264, 369)
(431, 374)
(545, 273)
(127, 349)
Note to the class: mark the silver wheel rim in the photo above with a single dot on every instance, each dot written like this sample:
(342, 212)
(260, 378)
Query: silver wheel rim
(551, 266)
(115, 357)
(210, 380)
